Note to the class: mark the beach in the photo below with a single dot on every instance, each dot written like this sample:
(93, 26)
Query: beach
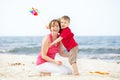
(23, 67)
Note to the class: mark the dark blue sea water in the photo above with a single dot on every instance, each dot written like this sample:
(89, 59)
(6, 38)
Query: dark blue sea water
(95, 47)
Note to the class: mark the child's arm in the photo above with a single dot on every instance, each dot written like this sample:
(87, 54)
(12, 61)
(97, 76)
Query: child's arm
(56, 41)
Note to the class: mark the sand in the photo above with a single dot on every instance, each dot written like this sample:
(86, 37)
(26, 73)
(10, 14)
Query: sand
(22, 67)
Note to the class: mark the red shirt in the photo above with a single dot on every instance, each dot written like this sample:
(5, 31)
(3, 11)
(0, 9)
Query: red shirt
(68, 38)
(51, 52)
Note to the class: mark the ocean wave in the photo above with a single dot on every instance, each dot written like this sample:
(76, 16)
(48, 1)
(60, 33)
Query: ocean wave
(92, 53)
(36, 49)
(23, 50)
(100, 50)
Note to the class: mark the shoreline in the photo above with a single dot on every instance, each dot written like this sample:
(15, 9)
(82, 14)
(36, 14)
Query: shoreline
(15, 67)
(105, 60)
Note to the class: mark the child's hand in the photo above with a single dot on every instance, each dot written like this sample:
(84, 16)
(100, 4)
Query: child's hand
(50, 45)
(47, 26)
(58, 62)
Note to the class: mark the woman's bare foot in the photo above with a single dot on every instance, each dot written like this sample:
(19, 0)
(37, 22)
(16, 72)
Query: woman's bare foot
(45, 74)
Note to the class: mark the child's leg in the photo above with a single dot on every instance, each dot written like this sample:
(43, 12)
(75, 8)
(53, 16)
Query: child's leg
(75, 69)
(72, 59)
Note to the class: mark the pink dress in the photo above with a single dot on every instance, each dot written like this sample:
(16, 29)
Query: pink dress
(54, 69)
(51, 52)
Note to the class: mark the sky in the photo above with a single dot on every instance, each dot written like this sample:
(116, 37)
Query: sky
(88, 17)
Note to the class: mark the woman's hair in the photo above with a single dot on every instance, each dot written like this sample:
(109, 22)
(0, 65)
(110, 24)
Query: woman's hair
(52, 23)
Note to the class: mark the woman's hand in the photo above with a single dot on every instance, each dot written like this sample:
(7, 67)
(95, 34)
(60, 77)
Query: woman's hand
(59, 63)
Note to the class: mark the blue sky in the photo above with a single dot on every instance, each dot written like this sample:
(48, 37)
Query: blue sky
(88, 17)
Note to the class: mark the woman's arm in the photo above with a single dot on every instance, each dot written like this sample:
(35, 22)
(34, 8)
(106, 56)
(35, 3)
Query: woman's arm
(44, 48)
(62, 52)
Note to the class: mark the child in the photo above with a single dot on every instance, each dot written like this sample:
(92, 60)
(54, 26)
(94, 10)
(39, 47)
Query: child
(66, 36)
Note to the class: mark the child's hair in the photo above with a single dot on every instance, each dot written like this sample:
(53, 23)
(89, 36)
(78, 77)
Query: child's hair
(66, 18)
(52, 23)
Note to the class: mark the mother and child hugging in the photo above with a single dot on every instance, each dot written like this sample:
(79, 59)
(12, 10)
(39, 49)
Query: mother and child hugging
(60, 37)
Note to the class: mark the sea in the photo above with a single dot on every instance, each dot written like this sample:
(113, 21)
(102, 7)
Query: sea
(93, 47)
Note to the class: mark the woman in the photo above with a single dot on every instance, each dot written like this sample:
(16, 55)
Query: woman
(46, 63)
